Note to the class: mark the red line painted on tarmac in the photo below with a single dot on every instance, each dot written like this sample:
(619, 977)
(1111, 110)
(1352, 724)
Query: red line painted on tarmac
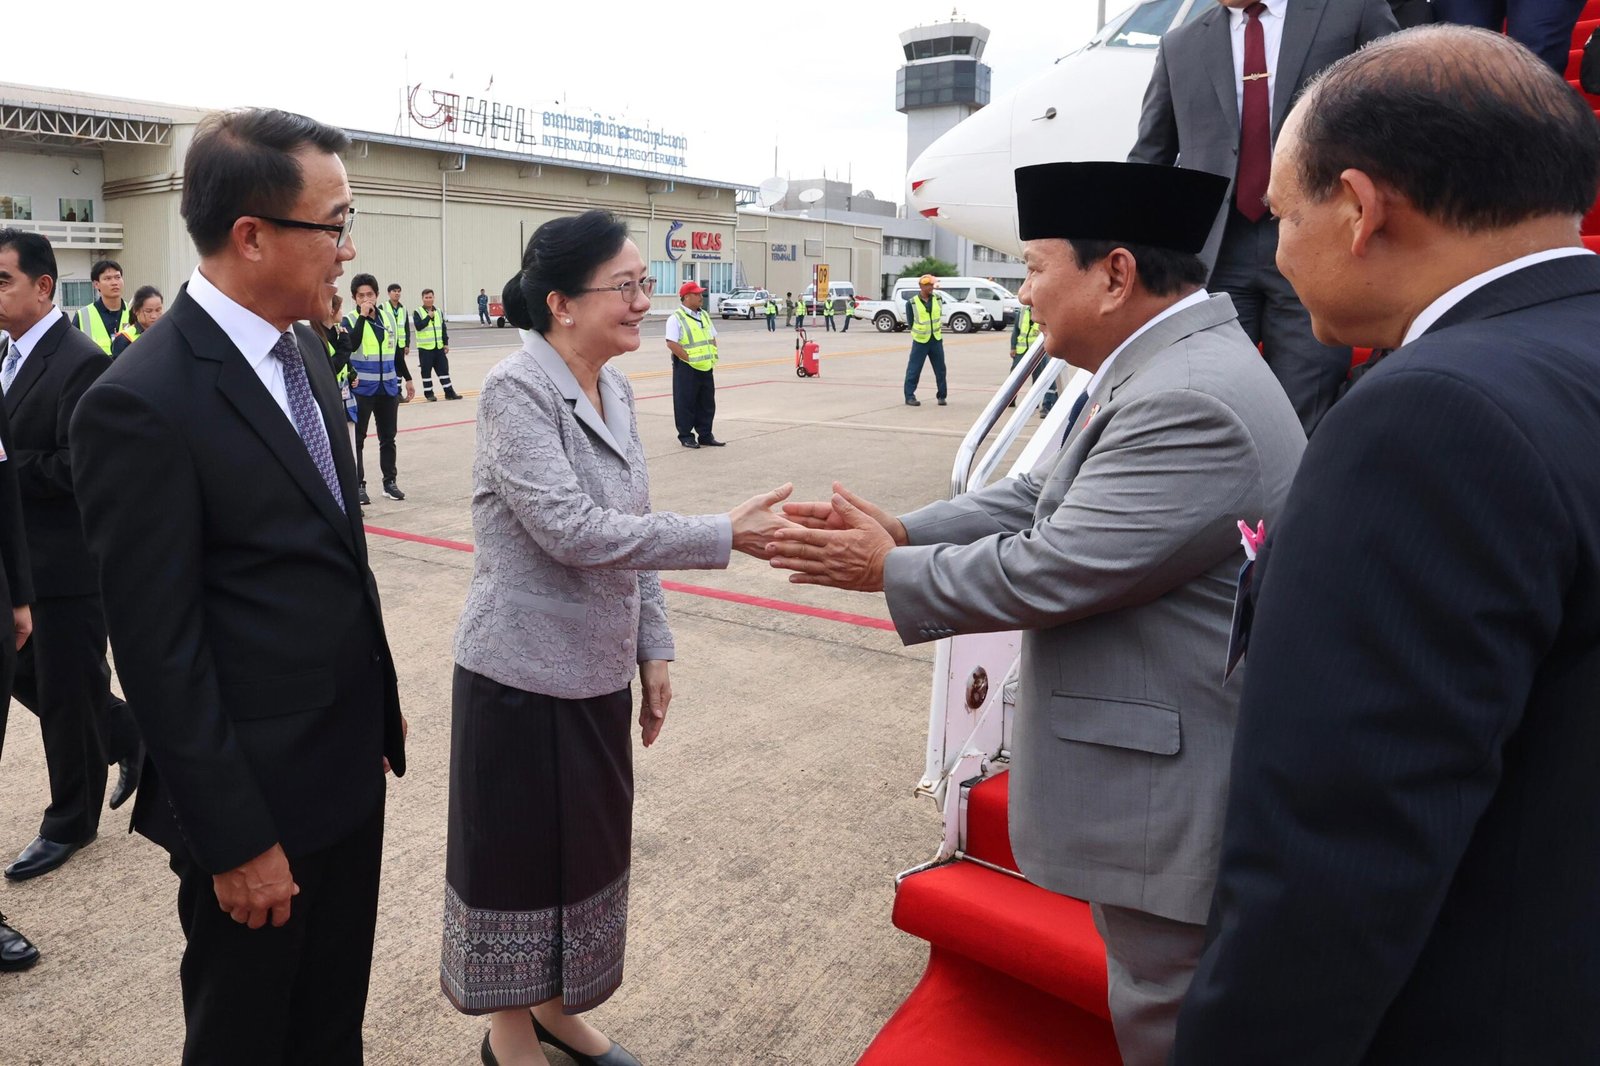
(419, 429)
(864, 621)
(720, 388)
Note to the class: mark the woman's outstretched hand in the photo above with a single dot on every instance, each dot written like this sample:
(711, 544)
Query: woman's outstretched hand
(755, 521)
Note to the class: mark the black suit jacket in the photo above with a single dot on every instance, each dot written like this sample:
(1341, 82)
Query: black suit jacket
(245, 620)
(1411, 858)
(16, 577)
(40, 404)
(1190, 115)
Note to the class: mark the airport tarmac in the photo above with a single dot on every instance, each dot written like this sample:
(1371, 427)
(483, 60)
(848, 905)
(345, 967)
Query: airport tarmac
(770, 817)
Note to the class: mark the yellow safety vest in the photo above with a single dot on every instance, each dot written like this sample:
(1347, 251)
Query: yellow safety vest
(696, 339)
(1027, 332)
(771, 308)
(431, 335)
(399, 323)
(91, 323)
(827, 308)
(926, 326)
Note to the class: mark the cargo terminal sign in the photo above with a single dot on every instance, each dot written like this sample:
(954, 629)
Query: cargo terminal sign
(569, 134)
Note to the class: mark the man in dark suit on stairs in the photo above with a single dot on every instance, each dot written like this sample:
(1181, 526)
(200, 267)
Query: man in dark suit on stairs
(1217, 98)
(219, 496)
(1411, 855)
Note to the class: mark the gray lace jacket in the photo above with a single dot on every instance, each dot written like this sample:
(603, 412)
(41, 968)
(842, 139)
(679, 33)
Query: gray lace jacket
(565, 600)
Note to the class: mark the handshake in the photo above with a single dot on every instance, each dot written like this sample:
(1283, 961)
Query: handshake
(841, 542)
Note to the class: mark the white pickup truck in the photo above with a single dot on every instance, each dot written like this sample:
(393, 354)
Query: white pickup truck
(959, 316)
(744, 303)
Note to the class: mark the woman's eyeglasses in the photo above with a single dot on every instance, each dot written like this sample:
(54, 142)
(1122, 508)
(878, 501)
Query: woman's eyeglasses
(630, 290)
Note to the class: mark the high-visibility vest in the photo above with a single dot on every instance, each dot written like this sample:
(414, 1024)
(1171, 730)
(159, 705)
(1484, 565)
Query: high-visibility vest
(130, 331)
(827, 309)
(399, 320)
(696, 339)
(926, 325)
(90, 322)
(1027, 332)
(343, 378)
(772, 308)
(374, 362)
(431, 335)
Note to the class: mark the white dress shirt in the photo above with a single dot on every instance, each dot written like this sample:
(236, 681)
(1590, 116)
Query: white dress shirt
(25, 344)
(1436, 310)
(253, 335)
(1272, 32)
(1194, 299)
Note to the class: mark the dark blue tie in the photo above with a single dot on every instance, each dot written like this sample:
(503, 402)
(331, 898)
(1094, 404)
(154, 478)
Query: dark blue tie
(305, 413)
(1072, 419)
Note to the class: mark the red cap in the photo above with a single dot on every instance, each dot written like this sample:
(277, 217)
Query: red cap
(689, 286)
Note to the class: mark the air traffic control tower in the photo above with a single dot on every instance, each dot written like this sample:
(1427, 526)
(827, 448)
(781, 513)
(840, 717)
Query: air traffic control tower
(943, 82)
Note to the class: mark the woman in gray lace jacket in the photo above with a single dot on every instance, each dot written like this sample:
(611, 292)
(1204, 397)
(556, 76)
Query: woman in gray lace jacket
(565, 606)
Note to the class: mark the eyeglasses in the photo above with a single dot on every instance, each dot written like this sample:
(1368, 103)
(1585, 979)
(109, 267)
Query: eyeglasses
(630, 290)
(343, 229)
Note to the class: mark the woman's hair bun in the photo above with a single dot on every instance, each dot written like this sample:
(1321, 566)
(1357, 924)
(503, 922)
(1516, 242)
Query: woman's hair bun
(515, 304)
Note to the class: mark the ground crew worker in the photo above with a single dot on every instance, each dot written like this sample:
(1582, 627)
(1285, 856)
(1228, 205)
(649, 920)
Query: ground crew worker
(107, 315)
(827, 309)
(692, 339)
(925, 314)
(147, 307)
(483, 307)
(848, 310)
(336, 338)
(1024, 331)
(433, 347)
(400, 327)
(377, 388)
(788, 309)
(772, 315)
(800, 311)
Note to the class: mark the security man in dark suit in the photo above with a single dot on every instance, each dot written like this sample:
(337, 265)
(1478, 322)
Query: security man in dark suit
(1411, 856)
(62, 674)
(16, 588)
(1217, 98)
(244, 616)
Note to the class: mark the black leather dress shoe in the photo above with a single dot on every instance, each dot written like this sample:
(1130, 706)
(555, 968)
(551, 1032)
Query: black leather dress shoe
(688, 442)
(128, 771)
(41, 857)
(912, 401)
(712, 442)
(615, 1055)
(488, 1053)
(16, 953)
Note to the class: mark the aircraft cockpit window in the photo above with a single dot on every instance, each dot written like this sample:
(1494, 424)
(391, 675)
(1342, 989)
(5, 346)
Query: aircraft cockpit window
(1144, 27)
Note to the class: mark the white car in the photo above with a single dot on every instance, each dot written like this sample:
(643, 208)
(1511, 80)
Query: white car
(958, 316)
(745, 303)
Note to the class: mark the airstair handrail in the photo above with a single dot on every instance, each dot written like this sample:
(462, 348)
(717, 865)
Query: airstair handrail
(966, 456)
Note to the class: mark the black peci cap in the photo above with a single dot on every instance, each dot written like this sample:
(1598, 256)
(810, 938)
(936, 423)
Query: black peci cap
(1140, 203)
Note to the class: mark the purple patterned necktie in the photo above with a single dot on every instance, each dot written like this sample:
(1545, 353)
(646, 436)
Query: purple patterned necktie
(307, 415)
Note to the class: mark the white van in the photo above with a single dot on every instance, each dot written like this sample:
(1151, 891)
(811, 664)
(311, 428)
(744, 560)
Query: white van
(1000, 302)
(836, 289)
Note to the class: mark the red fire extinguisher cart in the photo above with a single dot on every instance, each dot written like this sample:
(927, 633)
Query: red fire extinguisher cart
(805, 356)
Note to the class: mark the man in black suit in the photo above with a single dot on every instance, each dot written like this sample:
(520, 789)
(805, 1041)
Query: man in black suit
(16, 588)
(244, 617)
(1411, 855)
(1217, 99)
(61, 675)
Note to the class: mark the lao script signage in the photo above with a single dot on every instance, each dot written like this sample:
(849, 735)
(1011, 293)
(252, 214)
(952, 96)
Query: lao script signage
(565, 133)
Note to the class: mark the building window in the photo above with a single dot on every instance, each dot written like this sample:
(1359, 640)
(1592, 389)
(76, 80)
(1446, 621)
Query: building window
(910, 247)
(813, 248)
(720, 277)
(666, 274)
(16, 207)
(76, 293)
(984, 254)
(77, 210)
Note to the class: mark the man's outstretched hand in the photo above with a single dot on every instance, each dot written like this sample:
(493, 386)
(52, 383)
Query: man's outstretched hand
(843, 546)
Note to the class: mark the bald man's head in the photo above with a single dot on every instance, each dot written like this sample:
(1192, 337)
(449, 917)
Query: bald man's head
(1467, 125)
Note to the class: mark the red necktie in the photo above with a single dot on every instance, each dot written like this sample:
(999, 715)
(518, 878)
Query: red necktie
(1255, 126)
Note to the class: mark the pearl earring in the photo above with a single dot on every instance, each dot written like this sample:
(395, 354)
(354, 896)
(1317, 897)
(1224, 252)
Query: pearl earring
(568, 321)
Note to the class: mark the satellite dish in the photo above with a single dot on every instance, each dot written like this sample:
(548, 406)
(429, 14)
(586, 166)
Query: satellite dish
(772, 190)
(810, 196)
(867, 194)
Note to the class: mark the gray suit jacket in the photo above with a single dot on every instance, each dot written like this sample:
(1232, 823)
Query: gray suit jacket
(1118, 555)
(565, 600)
(1191, 108)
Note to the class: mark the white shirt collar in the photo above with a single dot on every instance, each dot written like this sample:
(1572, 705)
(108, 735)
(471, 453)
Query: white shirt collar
(1437, 310)
(25, 343)
(1237, 17)
(253, 335)
(1194, 299)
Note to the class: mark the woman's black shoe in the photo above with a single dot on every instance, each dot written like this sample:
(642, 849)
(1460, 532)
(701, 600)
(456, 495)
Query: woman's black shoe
(488, 1053)
(615, 1055)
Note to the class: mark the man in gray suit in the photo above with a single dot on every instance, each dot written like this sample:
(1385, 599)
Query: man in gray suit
(1118, 556)
(1217, 98)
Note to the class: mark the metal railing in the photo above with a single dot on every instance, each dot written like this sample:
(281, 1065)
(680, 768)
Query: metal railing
(967, 472)
(98, 235)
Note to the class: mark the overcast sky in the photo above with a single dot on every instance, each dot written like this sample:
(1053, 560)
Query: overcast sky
(740, 80)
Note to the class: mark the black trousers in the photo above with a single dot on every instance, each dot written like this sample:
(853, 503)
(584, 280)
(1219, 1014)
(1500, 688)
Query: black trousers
(1545, 26)
(1273, 317)
(385, 409)
(828, 321)
(434, 360)
(291, 995)
(694, 399)
(483, 315)
(62, 678)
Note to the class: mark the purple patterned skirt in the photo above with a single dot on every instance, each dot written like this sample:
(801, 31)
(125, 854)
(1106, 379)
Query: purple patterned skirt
(541, 823)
